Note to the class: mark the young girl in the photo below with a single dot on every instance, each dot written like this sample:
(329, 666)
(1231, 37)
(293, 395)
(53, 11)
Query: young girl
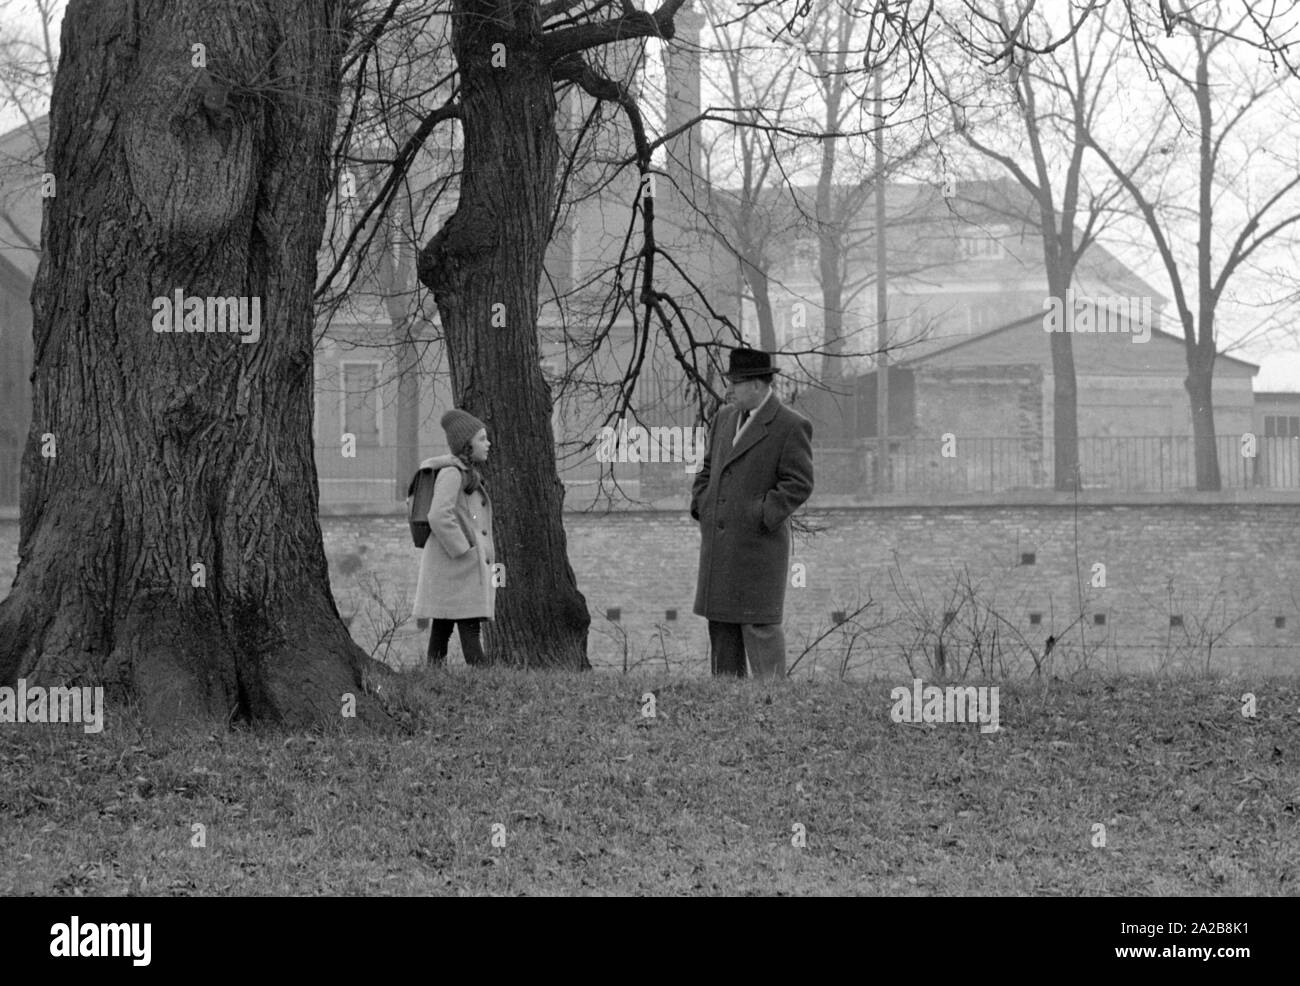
(455, 584)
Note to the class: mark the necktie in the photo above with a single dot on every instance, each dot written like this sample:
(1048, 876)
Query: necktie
(744, 418)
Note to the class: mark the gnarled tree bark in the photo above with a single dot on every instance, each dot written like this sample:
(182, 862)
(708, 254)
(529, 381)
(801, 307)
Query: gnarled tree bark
(170, 547)
(484, 267)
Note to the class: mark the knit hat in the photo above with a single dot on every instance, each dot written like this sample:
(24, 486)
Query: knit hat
(460, 426)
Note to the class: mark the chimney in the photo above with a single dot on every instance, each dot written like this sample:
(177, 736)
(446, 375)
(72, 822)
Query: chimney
(684, 159)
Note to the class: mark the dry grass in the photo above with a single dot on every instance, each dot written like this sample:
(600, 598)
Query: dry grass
(704, 798)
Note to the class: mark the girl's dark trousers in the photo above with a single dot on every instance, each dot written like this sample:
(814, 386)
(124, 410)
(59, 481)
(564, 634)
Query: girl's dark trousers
(469, 641)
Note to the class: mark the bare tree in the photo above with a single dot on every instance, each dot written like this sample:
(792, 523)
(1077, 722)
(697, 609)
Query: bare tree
(1054, 98)
(28, 56)
(372, 241)
(801, 124)
(485, 266)
(747, 156)
(1237, 64)
(849, 56)
(1217, 90)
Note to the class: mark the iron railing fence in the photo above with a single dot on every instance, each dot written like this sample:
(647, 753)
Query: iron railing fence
(1122, 464)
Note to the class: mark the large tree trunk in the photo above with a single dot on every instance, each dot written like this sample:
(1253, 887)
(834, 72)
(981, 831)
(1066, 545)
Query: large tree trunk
(151, 454)
(1200, 390)
(484, 267)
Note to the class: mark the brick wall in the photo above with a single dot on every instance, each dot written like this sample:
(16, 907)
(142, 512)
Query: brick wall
(1211, 565)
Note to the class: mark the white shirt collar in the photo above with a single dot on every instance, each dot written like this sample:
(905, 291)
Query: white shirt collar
(763, 403)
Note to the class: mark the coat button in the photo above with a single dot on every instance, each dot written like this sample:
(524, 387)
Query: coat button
(484, 533)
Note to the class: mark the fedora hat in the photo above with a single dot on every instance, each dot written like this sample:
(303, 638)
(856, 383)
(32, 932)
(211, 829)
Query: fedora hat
(745, 364)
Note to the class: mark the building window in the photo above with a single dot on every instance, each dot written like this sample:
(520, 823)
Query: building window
(361, 402)
(1282, 426)
(983, 244)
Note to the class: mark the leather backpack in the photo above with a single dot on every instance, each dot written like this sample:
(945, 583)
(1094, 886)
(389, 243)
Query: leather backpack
(419, 497)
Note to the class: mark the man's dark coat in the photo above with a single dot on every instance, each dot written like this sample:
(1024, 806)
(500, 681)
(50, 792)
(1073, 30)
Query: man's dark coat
(743, 498)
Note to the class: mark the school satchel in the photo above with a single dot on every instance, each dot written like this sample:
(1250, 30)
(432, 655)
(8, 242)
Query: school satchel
(419, 498)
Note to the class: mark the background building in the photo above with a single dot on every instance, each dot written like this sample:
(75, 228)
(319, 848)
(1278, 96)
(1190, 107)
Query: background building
(965, 287)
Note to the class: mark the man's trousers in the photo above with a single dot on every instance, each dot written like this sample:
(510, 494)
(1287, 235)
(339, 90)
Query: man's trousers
(763, 643)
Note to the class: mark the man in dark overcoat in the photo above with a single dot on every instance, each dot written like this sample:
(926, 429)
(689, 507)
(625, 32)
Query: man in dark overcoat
(757, 471)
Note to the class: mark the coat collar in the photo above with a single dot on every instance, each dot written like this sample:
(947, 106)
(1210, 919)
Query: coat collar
(439, 461)
(442, 461)
(756, 429)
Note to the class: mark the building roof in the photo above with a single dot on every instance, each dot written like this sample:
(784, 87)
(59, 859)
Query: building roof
(1009, 344)
(932, 223)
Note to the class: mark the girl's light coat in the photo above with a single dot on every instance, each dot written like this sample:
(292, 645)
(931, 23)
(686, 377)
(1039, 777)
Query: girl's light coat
(455, 581)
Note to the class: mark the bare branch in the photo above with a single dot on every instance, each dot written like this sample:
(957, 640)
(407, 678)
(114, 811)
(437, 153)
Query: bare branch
(634, 24)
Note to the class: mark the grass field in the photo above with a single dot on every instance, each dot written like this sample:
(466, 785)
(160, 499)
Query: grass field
(709, 796)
